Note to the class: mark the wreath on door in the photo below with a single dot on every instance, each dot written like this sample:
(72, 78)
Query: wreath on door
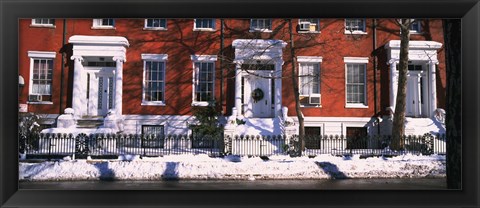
(257, 95)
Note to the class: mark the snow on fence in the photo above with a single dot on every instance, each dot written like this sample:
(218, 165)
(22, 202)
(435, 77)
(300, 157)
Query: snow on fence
(113, 145)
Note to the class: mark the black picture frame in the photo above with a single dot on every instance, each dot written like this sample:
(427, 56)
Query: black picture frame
(11, 11)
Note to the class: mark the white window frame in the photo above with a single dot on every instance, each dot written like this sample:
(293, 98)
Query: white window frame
(213, 22)
(356, 60)
(356, 32)
(146, 27)
(51, 25)
(311, 60)
(419, 28)
(97, 24)
(157, 58)
(260, 29)
(317, 23)
(40, 55)
(202, 59)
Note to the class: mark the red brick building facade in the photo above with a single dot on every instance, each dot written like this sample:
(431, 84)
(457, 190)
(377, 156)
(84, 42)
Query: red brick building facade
(151, 72)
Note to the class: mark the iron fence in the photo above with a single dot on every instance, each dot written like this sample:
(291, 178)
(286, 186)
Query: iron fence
(113, 145)
(374, 145)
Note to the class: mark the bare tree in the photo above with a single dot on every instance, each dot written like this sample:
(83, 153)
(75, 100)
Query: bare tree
(452, 35)
(398, 129)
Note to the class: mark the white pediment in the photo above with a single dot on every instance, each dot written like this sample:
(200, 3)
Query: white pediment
(102, 46)
(418, 50)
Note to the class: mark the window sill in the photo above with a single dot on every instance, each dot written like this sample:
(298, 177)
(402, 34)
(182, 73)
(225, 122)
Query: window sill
(412, 32)
(40, 103)
(261, 30)
(103, 28)
(43, 26)
(311, 106)
(356, 106)
(148, 103)
(201, 103)
(204, 29)
(155, 28)
(347, 32)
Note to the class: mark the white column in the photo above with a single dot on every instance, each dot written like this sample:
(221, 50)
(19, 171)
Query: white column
(118, 85)
(418, 104)
(79, 100)
(393, 83)
(238, 87)
(278, 87)
(433, 88)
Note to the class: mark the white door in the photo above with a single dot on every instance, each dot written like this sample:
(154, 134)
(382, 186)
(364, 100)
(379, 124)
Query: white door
(261, 108)
(414, 102)
(100, 91)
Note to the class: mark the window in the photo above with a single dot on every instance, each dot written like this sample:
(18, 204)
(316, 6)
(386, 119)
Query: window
(416, 26)
(309, 83)
(41, 75)
(153, 136)
(357, 137)
(204, 24)
(261, 25)
(308, 25)
(356, 86)
(154, 79)
(313, 137)
(43, 22)
(203, 79)
(412, 67)
(355, 26)
(158, 24)
(103, 23)
(309, 80)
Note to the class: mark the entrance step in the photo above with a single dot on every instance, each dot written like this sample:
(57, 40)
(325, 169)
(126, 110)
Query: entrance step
(260, 126)
(90, 122)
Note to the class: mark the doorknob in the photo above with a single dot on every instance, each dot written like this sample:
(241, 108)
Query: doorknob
(265, 101)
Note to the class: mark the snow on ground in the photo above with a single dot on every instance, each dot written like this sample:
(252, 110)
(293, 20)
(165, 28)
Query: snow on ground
(234, 168)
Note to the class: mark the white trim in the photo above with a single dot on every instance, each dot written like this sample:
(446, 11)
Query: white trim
(203, 58)
(200, 59)
(40, 103)
(41, 54)
(96, 24)
(146, 27)
(154, 57)
(355, 105)
(100, 40)
(356, 60)
(267, 30)
(214, 22)
(157, 58)
(310, 59)
(352, 60)
(355, 32)
(33, 24)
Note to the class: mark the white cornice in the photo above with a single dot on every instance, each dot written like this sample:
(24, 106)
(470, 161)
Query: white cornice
(100, 40)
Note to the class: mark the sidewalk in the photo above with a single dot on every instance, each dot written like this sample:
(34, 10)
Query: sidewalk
(201, 167)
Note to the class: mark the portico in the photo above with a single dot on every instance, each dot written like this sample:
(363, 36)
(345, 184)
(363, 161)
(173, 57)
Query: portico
(421, 100)
(98, 75)
(258, 74)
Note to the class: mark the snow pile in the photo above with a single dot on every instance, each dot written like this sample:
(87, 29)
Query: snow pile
(235, 168)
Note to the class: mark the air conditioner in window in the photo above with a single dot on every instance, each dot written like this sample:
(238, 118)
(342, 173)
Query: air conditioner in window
(305, 26)
(314, 99)
(35, 98)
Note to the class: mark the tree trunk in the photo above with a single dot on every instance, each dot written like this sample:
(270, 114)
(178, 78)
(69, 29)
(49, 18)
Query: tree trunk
(296, 93)
(398, 129)
(452, 35)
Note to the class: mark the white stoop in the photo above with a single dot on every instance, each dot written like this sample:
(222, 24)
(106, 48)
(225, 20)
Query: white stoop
(420, 126)
(260, 126)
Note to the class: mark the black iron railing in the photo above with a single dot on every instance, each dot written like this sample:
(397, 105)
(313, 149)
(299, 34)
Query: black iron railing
(113, 145)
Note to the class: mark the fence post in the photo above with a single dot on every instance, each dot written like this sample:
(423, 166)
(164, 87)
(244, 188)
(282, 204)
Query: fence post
(227, 139)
